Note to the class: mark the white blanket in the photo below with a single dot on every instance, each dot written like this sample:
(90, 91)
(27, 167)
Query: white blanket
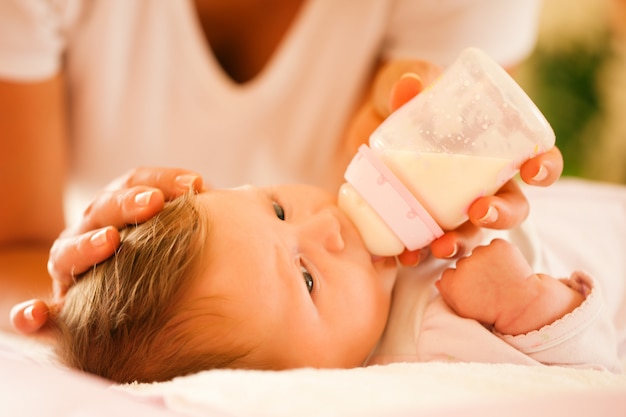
(31, 384)
(390, 390)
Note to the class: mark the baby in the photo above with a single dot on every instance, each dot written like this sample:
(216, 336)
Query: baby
(278, 278)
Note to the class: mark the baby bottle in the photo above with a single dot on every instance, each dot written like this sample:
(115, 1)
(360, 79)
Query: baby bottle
(460, 139)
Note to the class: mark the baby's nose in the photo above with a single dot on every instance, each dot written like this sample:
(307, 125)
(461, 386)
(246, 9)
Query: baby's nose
(324, 227)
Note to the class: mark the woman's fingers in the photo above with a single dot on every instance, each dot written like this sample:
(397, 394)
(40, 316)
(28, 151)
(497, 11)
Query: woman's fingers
(400, 80)
(395, 83)
(458, 242)
(506, 209)
(172, 182)
(136, 197)
(408, 86)
(132, 198)
(95, 237)
(543, 169)
(413, 258)
(118, 208)
(72, 255)
(29, 316)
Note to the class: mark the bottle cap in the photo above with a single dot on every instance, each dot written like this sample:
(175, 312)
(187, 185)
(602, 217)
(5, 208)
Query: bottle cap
(393, 202)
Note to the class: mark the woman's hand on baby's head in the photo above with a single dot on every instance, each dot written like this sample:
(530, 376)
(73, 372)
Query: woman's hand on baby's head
(133, 198)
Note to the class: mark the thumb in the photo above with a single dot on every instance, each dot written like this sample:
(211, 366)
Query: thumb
(400, 80)
(408, 86)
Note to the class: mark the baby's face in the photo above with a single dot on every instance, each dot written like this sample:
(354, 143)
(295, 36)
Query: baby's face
(292, 275)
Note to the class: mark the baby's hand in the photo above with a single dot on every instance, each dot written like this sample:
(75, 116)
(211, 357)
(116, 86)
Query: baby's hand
(486, 282)
(496, 286)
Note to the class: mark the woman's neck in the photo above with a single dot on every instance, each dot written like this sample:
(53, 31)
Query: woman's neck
(245, 34)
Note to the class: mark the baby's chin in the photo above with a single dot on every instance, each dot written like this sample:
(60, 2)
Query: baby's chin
(386, 268)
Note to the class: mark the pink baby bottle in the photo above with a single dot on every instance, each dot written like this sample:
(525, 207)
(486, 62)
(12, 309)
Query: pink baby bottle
(461, 138)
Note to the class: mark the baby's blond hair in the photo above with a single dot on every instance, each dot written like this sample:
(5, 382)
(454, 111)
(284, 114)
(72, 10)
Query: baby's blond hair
(124, 319)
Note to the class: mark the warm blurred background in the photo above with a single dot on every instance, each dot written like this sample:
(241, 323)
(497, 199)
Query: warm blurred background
(577, 77)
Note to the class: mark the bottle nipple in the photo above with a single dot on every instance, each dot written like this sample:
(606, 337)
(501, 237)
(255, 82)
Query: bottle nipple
(384, 211)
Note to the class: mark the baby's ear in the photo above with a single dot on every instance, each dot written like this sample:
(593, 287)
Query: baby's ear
(32, 315)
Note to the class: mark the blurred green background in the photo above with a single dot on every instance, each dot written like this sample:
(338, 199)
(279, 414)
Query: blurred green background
(577, 77)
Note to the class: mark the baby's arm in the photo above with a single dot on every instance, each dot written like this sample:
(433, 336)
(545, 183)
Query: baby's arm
(496, 286)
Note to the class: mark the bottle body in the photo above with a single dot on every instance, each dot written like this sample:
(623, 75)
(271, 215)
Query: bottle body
(434, 180)
(460, 139)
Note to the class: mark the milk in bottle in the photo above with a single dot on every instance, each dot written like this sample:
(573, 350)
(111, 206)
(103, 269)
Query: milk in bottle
(461, 138)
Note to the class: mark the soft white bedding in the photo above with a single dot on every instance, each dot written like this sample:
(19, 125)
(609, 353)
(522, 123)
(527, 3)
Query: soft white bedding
(31, 385)
(388, 390)
(579, 225)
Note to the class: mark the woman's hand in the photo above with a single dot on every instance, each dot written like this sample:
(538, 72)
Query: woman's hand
(132, 198)
(395, 84)
(506, 209)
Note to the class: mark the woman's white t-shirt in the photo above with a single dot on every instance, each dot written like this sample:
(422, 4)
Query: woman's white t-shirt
(145, 89)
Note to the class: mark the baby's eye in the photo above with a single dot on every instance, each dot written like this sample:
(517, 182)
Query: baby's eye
(280, 212)
(308, 279)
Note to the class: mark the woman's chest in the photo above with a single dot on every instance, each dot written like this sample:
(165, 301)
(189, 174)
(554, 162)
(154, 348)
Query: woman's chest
(243, 35)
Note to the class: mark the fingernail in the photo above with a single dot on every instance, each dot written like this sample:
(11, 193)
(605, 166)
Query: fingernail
(491, 216)
(411, 75)
(28, 313)
(542, 174)
(143, 199)
(99, 238)
(186, 181)
(455, 250)
(417, 260)
(406, 76)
